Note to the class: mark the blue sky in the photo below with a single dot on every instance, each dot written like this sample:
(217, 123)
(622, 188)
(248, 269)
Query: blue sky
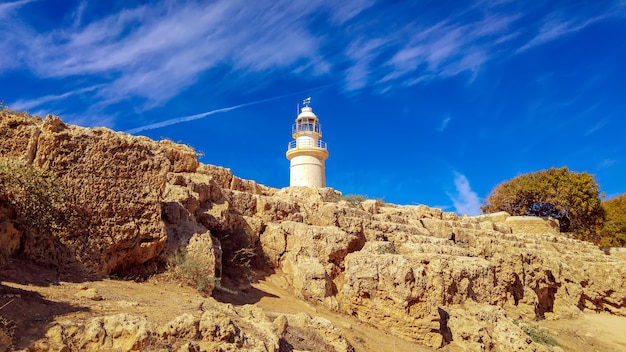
(421, 102)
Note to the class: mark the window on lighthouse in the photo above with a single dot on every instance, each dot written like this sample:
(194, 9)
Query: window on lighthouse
(306, 126)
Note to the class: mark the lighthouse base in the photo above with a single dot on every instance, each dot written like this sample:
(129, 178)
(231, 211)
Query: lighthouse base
(307, 171)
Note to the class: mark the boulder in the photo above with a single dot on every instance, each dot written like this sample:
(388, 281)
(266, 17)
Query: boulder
(120, 332)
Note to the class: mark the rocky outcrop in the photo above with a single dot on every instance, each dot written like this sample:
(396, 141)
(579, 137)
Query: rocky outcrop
(474, 327)
(405, 269)
(420, 273)
(504, 222)
(113, 182)
(121, 188)
(303, 332)
(217, 327)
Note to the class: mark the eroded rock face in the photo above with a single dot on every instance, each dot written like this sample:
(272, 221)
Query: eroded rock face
(409, 269)
(474, 327)
(378, 281)
(417, 272)
(113, 182)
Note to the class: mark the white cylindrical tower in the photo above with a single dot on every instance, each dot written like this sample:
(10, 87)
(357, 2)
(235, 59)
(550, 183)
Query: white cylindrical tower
(307, 152)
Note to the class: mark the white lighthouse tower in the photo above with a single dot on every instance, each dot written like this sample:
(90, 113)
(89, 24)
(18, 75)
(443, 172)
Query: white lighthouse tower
(307, 152)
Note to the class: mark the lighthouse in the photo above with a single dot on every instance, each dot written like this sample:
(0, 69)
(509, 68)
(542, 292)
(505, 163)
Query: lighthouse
(307, 152)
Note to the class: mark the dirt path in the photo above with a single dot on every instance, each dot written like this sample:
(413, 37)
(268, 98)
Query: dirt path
(589, 332)
(362, 336)
(33, 308)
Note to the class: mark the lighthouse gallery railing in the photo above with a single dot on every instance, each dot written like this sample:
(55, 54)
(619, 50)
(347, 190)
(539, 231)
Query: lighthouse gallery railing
(307, 144)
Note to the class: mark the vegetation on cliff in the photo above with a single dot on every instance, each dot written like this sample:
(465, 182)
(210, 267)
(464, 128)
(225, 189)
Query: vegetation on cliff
(613, 234)
(571, 197)
(31, 198)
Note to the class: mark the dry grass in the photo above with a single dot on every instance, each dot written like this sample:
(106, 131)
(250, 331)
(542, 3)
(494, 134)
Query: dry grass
(190, 271)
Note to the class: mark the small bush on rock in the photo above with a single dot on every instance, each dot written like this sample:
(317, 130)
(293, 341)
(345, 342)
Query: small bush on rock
(33, 196)
(190, 271)
(353, 200)
(537, 336)
(541, 337)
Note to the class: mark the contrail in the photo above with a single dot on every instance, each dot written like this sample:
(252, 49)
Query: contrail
(205, 114)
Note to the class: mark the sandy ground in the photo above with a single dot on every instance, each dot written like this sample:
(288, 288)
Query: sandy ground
(590, 332)
(32, 298)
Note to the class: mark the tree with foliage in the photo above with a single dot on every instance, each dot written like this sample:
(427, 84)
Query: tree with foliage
(613, 233)
(570, 197)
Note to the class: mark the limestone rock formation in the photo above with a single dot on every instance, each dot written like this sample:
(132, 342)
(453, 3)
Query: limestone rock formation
(474, 327)
(114, 182)
(420, 273)
(217, 327)
(529, 224)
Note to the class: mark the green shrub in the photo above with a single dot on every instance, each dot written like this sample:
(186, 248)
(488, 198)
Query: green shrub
(386, 248)
(537, 336)
(353, 200)
(541, 337)
(34, 195)
(190, 270)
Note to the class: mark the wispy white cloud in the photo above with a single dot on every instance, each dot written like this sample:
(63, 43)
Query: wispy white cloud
(465, 200)
(448, 48)
(349, 10)
(597, 126)
(444, 124)
(28, 104)
(157, 51)
(154, 52)
(8, 7)
(362, 53)
(606, 163)
(77, 16)
(421, 51)
(11, 31)
(560, 25)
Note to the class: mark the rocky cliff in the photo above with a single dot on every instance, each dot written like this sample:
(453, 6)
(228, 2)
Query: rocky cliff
(420, 273)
